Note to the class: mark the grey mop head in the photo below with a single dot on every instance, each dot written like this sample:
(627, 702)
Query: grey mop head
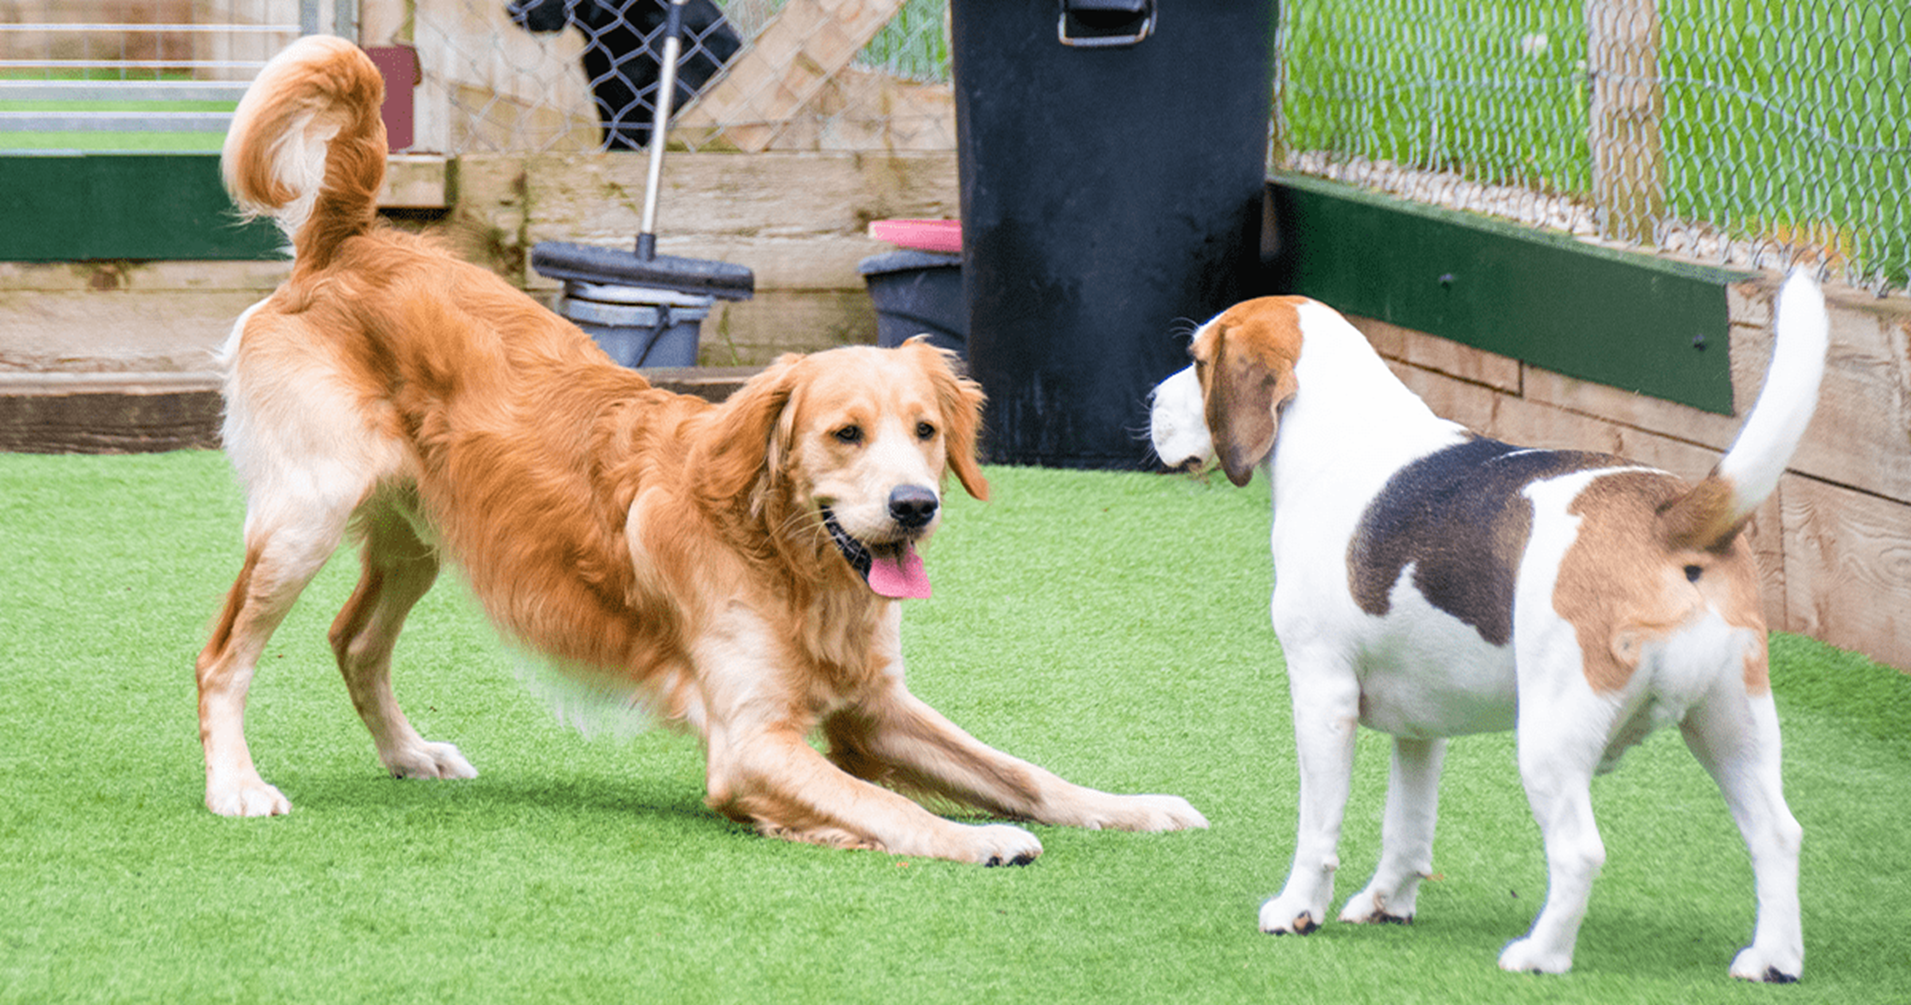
(611, 266)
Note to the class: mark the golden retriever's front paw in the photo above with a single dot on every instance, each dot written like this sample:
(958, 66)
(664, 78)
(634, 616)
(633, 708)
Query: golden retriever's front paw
(1168, 813)
(1002, 844)
(1142, 813)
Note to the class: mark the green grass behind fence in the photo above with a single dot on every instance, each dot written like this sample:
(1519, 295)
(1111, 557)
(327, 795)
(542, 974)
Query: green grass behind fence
(1110, 626)
(1781, 120)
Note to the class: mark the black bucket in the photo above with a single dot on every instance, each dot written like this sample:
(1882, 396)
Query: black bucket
(917, 293)
(1112, 157)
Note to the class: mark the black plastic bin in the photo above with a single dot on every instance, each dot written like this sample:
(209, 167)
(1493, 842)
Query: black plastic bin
(917, 293)
(1112, 164)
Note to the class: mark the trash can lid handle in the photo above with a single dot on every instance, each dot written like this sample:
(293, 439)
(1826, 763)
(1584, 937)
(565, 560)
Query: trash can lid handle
(1139, 25)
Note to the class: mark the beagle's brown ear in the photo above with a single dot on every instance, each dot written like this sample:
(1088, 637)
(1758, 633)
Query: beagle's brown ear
(1246, 376)
(959, 399)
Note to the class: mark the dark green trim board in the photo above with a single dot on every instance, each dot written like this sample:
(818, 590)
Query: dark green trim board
(1623, 319)
(115, 206)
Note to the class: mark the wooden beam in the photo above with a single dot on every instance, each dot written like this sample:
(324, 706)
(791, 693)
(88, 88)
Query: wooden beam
(806, 44)
(1625, 319)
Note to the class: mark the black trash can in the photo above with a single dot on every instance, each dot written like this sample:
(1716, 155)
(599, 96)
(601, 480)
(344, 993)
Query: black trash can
(1112, 157)
(917, 293)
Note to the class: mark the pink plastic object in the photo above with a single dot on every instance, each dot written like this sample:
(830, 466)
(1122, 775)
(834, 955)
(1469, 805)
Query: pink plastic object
(923, 235)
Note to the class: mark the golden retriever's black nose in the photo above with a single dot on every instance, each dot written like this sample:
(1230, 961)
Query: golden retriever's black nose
(913, 505)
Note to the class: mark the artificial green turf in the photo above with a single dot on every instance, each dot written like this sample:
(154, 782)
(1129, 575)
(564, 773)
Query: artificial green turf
(1112, 627)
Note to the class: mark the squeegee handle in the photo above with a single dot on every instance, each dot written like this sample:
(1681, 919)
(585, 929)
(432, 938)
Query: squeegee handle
(666, 96)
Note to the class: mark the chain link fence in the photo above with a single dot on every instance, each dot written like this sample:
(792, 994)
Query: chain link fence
(1742, 132)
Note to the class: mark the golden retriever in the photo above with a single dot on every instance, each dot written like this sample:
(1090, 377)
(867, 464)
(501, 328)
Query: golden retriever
(732, 567)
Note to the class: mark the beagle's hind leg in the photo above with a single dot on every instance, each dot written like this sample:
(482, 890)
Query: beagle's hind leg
(1735, 736)
(397, 568)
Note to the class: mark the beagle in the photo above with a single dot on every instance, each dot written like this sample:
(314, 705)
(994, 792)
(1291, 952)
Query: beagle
(1431, 583)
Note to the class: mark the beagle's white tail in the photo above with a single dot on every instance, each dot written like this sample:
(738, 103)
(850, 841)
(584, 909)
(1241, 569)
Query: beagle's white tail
(307, 147)
(1712, 514)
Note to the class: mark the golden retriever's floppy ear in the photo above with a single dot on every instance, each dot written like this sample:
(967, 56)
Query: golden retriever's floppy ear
(960, 401)
(1249, 375)
(739, 446)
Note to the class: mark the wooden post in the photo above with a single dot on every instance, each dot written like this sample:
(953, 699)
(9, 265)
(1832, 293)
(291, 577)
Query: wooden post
(1628, 162)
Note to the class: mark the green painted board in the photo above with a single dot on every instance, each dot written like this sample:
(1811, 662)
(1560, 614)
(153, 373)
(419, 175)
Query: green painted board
(1622, 319)
(123, 206)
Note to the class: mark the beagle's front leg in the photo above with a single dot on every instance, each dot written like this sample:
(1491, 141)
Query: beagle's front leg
(1326, 698)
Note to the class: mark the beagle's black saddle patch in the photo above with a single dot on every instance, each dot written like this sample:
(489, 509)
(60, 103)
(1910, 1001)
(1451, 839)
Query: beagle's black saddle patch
(1458, 516)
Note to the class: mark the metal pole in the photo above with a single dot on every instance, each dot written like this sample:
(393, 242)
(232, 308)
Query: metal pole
(345, 19)
(660, 124)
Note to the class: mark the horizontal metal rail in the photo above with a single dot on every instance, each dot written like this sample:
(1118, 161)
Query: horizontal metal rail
(143, 29)
(122, 90)
(114, 122)
(131, 64)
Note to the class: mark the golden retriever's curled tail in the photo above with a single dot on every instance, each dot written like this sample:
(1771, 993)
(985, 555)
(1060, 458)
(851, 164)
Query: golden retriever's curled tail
(307, 147)
(1711, 515)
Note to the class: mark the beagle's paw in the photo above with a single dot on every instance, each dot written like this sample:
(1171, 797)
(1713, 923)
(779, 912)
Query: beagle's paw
(1382, 904)
(1527, 956)
(1287, 916)
(1366, 908)
(1756, 964)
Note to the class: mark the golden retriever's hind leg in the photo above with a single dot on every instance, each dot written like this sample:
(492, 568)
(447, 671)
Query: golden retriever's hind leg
(278, 566)
(397, 568)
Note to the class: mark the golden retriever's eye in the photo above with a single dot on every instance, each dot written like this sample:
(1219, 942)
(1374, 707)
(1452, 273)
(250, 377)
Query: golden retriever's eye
(851, 434)
(925, 431)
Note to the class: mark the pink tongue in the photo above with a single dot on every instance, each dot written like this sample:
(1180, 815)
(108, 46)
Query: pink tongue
(901, 576)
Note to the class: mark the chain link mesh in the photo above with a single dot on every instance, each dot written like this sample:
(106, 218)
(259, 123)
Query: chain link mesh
(1741, 132)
